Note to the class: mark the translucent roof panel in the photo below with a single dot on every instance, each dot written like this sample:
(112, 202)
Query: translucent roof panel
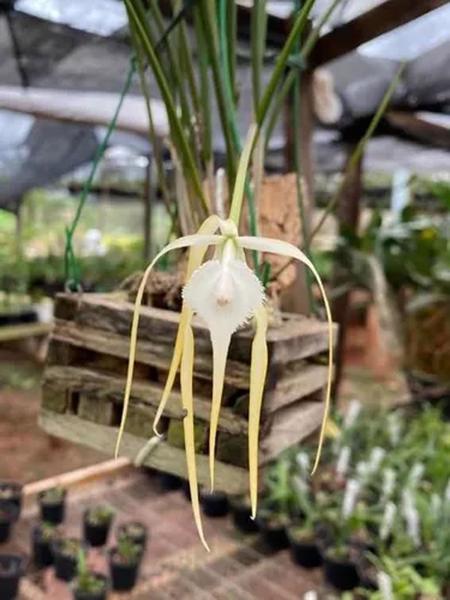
(102, 17)
(414, 39)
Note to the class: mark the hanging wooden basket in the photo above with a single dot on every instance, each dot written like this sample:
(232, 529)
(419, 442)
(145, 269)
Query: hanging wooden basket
(84, 382)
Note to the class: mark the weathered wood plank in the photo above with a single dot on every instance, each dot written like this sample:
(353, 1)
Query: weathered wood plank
(382, 18)
(155, 352)
(297, 336)
(295, 383)
(164, 457)
(290, 426)
(109, 386)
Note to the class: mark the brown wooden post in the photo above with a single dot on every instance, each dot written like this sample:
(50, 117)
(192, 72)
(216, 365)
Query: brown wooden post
(348, 212)
(296, 298)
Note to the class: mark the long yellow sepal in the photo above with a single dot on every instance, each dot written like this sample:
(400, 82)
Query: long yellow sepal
(285, 249)
(258, 370)
(186, 375)
(183, 242)
(196, 256)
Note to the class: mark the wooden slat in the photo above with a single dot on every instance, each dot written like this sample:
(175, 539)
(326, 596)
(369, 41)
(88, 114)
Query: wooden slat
(232, 479)
(79, 477)
(290, 426)
(383, 18)
(108, 386)
(9, 333)
(295, 385)
(297, 337)
(156, 352)
(418, 126)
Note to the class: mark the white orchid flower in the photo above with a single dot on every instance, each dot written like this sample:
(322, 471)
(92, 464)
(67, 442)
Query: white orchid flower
(225, 293)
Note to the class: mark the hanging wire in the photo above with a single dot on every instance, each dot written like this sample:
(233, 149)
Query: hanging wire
(71, 266)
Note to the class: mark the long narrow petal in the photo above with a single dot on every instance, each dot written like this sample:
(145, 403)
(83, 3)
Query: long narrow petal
(186, 374)
(285, 249)
(196, 256)
(183, 242)
(258, 372)
(220, 345)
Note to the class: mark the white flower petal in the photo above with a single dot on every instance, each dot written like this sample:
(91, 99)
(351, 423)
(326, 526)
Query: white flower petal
(225, 294)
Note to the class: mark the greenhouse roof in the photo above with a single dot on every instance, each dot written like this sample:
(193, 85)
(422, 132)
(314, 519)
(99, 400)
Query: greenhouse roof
(83, 46)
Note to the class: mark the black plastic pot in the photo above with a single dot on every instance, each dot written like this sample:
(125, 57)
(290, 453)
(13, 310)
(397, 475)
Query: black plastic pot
(138, 537)
(305, 552)
(170, 482)
(274, 534)
(52, 512)
(12, 567)
(214, 504)
(79, 595)
(123, 575)
(95, 534)
(42, 548)
(11, 492)
(8, 516)
(242, 517)
(340, 573)
(65, 564)
(19, 317)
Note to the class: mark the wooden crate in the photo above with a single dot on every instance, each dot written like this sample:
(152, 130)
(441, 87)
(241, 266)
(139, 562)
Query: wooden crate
(85, 377)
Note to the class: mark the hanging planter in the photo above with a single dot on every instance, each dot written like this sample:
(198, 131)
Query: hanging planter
(85, 378)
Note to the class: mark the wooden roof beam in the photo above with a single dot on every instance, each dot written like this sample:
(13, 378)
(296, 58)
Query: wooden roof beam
(383, 18)
(424, 127)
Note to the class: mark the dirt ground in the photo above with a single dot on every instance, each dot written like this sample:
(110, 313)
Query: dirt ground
(26, 452)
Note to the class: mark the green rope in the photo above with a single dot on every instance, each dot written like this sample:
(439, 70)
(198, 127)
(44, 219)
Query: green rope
(71, 266)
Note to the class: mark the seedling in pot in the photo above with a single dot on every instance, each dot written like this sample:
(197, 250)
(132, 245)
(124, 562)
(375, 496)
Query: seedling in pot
(65, 554)
(97, 523)
(11, 491)
(8, 515)
(52, 505)
(124, 564)
(134, 531)
(241, 512)
(214, 504)
(88, 585)
(44, 536)
(11, 570)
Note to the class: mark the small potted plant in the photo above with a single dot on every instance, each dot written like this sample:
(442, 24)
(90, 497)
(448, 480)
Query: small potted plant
(97, 523)
(134, 531)
(124, 562)
(65, 557)
(8, 516)
(12, 567)
(43, 537)
(340, 569)
(303, 535)
(305, 550)
(11, 491)
(88, 585)
(272, 526)
(52, 505)
(170, 482)
(214, 504)
(242, 515)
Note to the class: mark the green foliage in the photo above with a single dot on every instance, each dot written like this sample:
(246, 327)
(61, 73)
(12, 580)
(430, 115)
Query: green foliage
(128, 551)
(408, 448)
(100, 515)
(86, 581)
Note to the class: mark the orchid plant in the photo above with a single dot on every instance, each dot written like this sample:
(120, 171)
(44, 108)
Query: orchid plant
(225, 293)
